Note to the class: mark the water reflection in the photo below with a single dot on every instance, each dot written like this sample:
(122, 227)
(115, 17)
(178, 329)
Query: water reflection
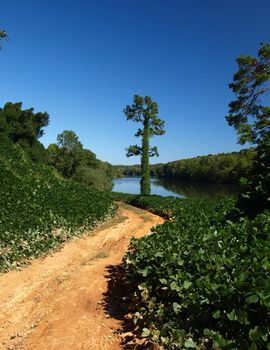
(197, 190)
(164, 187)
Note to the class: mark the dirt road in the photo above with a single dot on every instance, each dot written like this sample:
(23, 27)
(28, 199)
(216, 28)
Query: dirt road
(64, 301)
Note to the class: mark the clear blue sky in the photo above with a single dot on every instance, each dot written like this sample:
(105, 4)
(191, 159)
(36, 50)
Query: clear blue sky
(82, 61)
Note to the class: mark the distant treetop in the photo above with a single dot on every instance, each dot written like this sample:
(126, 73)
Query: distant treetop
(3, 35)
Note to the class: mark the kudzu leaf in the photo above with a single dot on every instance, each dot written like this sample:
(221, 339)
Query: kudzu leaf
(207, 332)
(174, 286)
(216, 314)
(242, 316)
(189, 344)
(146, 332)
(232, 315)
(187, 284)
(176, 308)
(163, 280)
(252, 299)
(254, 334)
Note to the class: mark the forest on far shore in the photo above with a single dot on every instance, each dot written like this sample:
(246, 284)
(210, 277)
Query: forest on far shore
(226, 168)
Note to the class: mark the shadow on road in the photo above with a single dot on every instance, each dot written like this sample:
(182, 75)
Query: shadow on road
(116, 292)
(114, 305)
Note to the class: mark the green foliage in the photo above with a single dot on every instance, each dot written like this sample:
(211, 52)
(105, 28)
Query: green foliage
(96, 179)
(36, 151)
(39, 211)
(251, 81)
(144, 111)
(69, 141)
(73, 161)
(24, 127)
(199, 281)
(255, 195)
(66, 162)
(213, 168)
(67, 154)
(252, 121)
(219, 168)
(20, 124)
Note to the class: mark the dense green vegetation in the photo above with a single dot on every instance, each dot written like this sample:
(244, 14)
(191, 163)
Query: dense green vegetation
(247, 114)
(75, 162)
(201, 280)
(40, 210)
(217, 168)
(256, 187)
(134, 170)
(220, 168)
(68, 157)
(144, 111)
(251, 120)
(24, 127)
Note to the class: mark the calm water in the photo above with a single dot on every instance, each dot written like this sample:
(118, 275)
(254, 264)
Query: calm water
(164, 187)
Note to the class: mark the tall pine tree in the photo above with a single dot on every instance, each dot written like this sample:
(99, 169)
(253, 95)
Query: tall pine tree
(144, 111)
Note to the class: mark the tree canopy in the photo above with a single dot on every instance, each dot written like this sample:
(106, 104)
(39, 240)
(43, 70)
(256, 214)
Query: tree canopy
(3, 35)
(24, 127)
(251, 118)
(17, 124)
(144, 111)
(251, 83)
(72, 160)
(69, 140)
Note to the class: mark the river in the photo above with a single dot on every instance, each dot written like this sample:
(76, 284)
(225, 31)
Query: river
(166, 187)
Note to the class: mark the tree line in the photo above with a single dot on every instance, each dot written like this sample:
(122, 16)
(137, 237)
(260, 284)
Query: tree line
(24, 127)
(213, 168)
(219, 168)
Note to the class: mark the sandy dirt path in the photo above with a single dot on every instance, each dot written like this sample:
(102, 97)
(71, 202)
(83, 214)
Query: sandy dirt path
(63, 301)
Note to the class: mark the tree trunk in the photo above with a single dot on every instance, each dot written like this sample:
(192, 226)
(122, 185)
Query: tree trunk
(145, 170)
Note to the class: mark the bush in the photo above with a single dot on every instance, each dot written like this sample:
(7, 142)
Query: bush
(96, 179)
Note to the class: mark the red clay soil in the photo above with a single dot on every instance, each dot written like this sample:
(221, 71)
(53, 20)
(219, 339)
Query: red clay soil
(64, 301)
